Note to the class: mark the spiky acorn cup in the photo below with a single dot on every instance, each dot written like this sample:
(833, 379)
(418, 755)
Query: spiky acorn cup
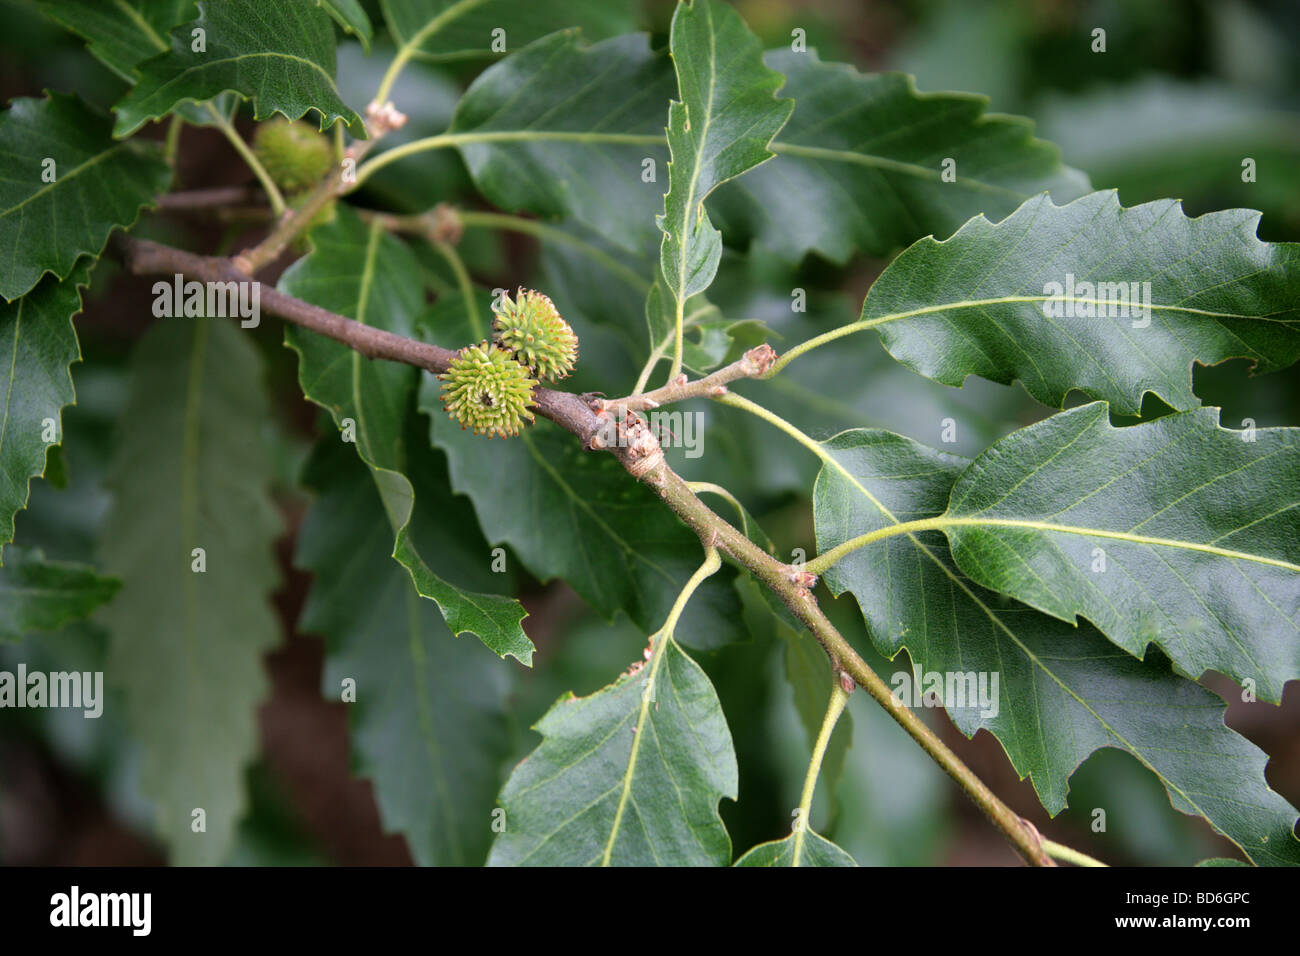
(296, 156)
(487, 390)
(531, 327)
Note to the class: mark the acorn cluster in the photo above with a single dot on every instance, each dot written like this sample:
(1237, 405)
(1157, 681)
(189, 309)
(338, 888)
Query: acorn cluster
(489, 387)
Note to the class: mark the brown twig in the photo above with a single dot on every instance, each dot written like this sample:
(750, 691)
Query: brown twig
(638, 450)
(219, 197)
(145, 257)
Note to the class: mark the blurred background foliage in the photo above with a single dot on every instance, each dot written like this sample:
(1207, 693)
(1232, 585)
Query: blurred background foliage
(1184, 91)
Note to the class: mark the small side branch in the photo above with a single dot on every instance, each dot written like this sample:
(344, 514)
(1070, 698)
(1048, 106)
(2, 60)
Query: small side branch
(839, 697)
(1067, 854)
(147, 258)
(380, 119)
(753, 364)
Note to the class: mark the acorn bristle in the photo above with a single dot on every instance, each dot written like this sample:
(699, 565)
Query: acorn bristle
(487, 390)
(531, 327)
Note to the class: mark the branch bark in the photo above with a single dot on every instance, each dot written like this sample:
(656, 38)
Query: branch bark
(216, 197)
(598, 425)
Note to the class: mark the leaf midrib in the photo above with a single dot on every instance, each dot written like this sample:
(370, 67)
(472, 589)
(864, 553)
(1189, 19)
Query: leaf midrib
(775, 146)
(363, 301)
(852, 157)
(1048, 526)
(638, 734)
(437, 21)
(189, 506)
(697, 156)
(62, 180)
(424, 708)
(149, 32)
(1013, 299)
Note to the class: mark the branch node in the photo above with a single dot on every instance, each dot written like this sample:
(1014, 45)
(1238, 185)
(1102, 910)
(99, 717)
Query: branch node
(445, 224)
(1038, 842)
(762, 357)
(643, 450)
(804, 579)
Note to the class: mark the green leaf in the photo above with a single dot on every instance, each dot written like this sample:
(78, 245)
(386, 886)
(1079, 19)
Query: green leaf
(860, 165)
(191, 471)
(452, 29)
(97, 185)
(121, 34)
(361, 271)
(630, 776)
(980, 303)
(494, 619)
(816, 850)
(40, 595)
(284, 64)
(721, 126)
(1175, 532)
(1062, 692)
(37, 336)
(571, 125)
(428, 719)
(602, 290)
(351, 16)
(358, 270)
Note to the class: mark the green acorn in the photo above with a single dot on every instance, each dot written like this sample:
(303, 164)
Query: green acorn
(296, 156)
(531, 327)
(487, 390)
